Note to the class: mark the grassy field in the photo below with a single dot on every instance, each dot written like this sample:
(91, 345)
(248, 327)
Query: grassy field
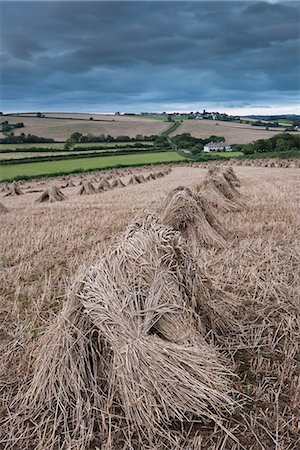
(71, 165)
(47, 247)
(234, 133)
(229, 154)
(113, 125)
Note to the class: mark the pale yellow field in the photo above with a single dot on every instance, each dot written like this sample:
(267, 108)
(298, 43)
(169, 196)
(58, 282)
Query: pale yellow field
(62, 129)
(43, 247)
(86, 116)
(234, 133)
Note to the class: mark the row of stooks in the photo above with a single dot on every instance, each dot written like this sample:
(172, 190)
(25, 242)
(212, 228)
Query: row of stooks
(131, 362)
(261, 162)
(54, 194)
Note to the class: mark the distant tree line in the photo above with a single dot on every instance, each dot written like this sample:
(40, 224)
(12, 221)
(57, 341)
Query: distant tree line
(279, 143)
(23, 139)
(259, 123)
(77, 138)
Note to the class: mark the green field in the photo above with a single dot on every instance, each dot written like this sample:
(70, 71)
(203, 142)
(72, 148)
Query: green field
(10, 172)
(227, 154)
(15, 155)
(60, 145)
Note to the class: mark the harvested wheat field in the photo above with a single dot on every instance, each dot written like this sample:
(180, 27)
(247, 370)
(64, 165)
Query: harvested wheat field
(234, 133)
(163, 315)
(113, 125)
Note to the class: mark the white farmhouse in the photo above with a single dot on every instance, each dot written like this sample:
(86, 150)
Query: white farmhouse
(217, 147)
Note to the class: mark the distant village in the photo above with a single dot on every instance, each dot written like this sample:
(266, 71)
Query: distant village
(214, 115)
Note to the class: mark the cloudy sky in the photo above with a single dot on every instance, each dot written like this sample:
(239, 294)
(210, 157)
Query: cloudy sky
(239, 56)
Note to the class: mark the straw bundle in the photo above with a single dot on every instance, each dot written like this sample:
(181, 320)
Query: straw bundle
(220, 194)
(134, 179)
(104, 186)
(141, 178)
(87, 189)
(150, 177)
(230, 176)
(118, 183)
(3, 209)
(4, 187)
(51, 195)
(127, 355)
(69, 183)
(13, 190)
(213, 170)
(189, 213)
(227, 188)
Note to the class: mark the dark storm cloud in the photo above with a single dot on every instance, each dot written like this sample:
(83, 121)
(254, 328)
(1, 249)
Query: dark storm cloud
(139, 55)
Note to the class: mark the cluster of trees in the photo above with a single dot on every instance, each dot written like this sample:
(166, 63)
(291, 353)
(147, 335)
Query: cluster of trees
(23, 139)
(9, 127)
(279, 143)
(259, 123)
(194, 145)
(77, 138)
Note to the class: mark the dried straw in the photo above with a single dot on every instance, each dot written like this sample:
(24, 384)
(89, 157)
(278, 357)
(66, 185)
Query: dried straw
(230, 176)
(191, 214)
(13, 190)
(51, 195)
(104, 186)
(134, 179)
(127, 354)
(220, 194)
(87, 189)
(3, 209)
(4, 187)
(118, 183)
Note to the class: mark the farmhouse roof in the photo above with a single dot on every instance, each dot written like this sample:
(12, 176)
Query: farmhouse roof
(217, 144)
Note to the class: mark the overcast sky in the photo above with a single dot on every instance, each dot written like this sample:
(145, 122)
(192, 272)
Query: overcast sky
(240, 56)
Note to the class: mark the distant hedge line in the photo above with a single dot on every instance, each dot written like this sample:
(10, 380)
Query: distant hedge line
(32, 159)
(92, 147)
(280, 154)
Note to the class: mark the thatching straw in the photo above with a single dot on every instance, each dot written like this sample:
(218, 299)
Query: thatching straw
(230, 175)
(104, 186)
(4, 188)
(127, 354)
(213, 170)
(141, 178)
(51, 195)
(69, 183)
(14, 190)
(134, 179)
(150, 177)
(87, 188)
(118, 183)
(3, 209)
(220, 194)
(191, 214)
